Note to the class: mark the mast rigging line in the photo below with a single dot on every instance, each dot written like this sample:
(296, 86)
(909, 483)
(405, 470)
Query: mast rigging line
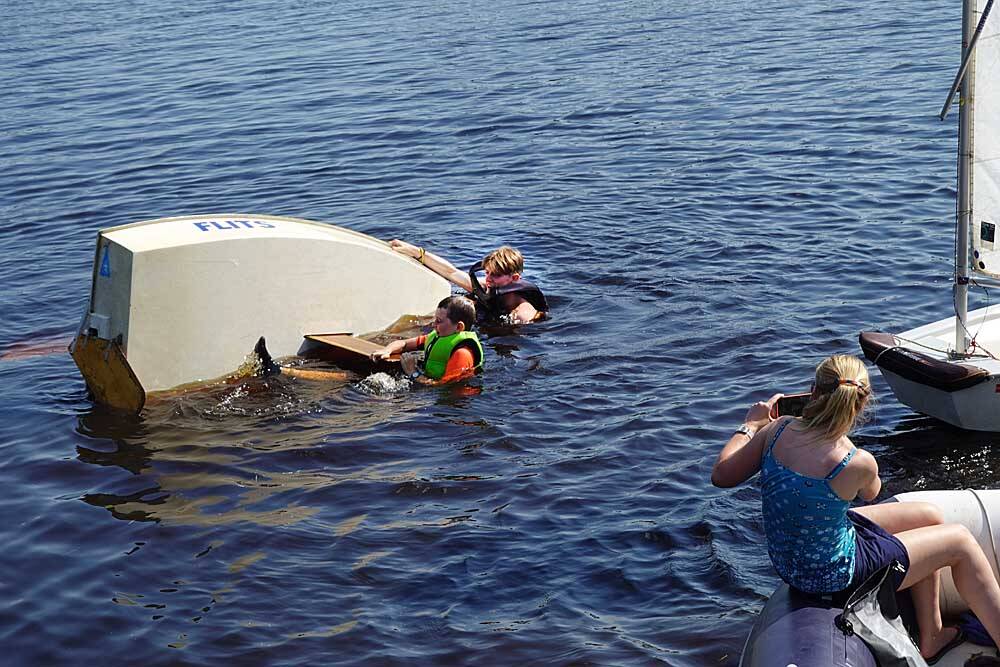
(972, 337)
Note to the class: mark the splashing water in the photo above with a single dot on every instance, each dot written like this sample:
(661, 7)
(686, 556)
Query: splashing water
(383, 383)
(252, 366)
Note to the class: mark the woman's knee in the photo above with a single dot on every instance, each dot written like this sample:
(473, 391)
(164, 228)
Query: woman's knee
(932, 547)
(961, 540)
(930, 514)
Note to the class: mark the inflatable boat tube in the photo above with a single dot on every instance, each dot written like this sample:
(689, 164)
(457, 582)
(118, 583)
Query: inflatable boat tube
(798, 629)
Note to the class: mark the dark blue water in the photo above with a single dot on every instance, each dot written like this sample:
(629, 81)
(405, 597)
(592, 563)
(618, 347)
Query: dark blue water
(715, 194)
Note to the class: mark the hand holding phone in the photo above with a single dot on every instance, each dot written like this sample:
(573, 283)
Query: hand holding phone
(791, 405)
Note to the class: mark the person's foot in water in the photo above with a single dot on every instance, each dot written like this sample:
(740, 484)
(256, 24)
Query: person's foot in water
(267, 365)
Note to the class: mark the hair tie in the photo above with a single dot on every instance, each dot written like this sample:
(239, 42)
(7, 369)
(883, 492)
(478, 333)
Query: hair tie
(854, 383)
(861, 386)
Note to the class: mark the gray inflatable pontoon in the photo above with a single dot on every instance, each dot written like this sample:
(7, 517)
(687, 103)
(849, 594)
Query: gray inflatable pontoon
(796, 629)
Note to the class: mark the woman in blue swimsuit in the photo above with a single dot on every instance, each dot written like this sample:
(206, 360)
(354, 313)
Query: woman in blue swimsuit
(810, 474)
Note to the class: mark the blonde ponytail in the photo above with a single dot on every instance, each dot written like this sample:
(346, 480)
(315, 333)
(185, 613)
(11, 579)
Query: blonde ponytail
(840, 395)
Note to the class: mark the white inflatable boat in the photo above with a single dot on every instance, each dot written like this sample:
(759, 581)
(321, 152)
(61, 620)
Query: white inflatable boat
(182, 300)
(794, 629)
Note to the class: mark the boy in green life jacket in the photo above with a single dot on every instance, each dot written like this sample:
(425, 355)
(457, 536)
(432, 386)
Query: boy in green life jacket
(452, 351)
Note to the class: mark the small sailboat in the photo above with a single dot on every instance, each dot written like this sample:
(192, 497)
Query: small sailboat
(182, 300)
(950, 369)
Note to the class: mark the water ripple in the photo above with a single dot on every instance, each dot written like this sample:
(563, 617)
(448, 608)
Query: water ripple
(712, 203)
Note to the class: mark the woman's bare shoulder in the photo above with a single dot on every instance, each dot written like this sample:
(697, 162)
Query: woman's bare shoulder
(863, 460)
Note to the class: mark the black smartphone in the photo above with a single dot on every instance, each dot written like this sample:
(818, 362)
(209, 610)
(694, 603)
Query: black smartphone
(790, 404)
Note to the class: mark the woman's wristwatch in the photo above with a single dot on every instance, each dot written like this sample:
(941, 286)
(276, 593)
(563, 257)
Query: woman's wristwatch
(746, 430)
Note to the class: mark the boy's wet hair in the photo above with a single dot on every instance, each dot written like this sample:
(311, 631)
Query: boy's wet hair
(458, 308)
(504, 261)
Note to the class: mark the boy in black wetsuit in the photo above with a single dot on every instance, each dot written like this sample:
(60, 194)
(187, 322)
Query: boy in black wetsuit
(506, 296)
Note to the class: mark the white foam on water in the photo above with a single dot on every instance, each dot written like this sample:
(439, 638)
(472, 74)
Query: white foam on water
(383, 383)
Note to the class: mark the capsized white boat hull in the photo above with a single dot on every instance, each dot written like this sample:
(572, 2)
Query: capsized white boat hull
(185, 298)
(965, 392)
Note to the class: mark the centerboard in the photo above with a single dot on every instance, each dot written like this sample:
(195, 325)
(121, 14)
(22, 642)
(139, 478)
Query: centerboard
(349, 352)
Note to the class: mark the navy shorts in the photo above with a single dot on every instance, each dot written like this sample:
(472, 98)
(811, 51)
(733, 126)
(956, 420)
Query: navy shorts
(874, 549)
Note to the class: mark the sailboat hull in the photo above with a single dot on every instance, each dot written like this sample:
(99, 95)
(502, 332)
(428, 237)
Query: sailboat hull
(917, 366)
(974, 409)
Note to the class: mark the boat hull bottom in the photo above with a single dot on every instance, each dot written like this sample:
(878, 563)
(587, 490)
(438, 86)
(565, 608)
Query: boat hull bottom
(975, 408)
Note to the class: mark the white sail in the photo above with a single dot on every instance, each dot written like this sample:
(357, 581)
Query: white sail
(985, 186)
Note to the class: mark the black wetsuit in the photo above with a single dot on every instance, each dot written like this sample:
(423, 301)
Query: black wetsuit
(497, 303)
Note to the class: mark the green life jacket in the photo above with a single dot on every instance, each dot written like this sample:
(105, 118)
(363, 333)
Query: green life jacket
(438, 349)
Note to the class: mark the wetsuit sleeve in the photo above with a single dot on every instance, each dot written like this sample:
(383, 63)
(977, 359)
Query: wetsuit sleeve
(420, 340)
(461, 364)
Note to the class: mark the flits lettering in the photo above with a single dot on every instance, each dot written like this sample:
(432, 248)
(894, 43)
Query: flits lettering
(211, 225)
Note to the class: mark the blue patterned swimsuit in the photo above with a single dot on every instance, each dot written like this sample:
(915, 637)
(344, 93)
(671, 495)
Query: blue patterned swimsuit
(810, 538)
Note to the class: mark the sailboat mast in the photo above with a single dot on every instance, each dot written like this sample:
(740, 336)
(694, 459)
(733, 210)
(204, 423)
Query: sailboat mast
(961, 288)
